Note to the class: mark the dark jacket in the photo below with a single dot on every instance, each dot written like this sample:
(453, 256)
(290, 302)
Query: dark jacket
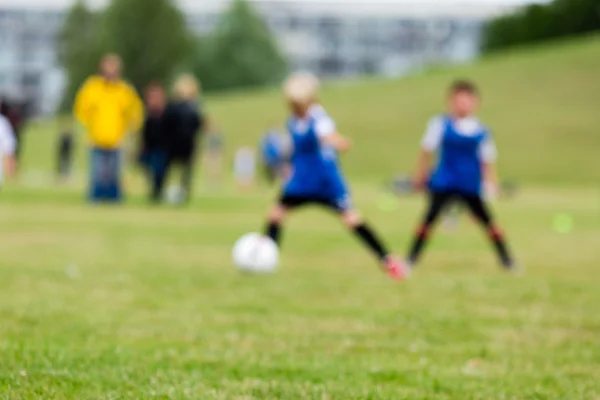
(154, 136)
(182, 124)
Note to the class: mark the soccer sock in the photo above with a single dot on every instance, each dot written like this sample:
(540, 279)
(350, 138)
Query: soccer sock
(273, 231)
(497, 238)
(419, 243)
(366, 234)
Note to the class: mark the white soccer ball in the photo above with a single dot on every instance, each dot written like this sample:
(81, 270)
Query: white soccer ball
(255, 253)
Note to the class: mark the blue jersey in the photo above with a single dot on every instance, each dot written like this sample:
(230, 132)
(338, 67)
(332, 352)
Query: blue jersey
(315, 169)
(463, 146)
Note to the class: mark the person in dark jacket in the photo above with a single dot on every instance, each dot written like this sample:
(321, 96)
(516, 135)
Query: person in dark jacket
(153, 152)
(64, 153)
(183, 123)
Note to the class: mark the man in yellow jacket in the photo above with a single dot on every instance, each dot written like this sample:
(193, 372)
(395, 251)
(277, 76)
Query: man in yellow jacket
(109, 109)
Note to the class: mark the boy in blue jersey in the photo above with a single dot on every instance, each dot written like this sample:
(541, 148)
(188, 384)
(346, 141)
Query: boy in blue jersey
(466, 159)
(316, 177)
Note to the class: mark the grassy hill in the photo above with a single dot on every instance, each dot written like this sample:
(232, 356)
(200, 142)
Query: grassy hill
(543, 105)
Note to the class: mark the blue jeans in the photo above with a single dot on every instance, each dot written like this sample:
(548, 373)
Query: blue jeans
(155, 162)
(105, 177)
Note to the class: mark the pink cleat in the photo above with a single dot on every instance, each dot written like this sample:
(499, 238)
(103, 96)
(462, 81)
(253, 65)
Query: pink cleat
(396, 268)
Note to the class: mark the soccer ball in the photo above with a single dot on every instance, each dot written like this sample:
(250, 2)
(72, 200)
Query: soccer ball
(255, 253)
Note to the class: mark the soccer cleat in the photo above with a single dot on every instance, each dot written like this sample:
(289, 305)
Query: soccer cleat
(396, 268)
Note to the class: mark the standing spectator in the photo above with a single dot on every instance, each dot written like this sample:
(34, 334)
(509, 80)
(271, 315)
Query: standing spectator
(153, 152)
(15, 112)
(215, 144)
(244, 167)
(109, 108)
(7, 147)
(183, 122)
(65, 152)
(17, 119)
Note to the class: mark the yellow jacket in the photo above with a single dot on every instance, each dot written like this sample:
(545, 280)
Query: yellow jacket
(108, 110)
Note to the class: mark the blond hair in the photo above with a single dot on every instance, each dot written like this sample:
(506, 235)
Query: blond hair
(301, 88)
(186, 87)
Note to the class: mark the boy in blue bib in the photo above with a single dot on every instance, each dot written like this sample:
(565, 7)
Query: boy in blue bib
(466, 156)
(316, 176)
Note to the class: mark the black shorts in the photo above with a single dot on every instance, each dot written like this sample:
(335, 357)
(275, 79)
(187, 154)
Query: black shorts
(293, 202)
(439, 201)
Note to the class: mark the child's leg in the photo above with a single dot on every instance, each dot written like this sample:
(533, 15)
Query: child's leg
(396, 268)
(365, 233)
(278, 213)
(158, 173)
(275, 219)
(437, 202)
(480, 211)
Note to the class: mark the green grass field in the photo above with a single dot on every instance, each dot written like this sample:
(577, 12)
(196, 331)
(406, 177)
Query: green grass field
(137, 302)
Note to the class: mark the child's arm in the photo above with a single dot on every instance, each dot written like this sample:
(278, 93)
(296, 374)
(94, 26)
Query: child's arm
(490, 179)
(429, 145)
(337, 141)
(490, 173)
(10, 165)
(423, 169)
(488, 155)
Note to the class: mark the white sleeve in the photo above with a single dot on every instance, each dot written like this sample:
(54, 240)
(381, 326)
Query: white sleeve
(487, 150)
(325, 126)
(433, 135)
(7, 138)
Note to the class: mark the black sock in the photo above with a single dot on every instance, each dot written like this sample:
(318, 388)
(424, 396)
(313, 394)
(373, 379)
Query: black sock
(365, 233)
(273, 231)
(419, 243)
(500, 245)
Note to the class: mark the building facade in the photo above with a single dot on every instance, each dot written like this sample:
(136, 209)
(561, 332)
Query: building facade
(29, 68)
(344, 39)
(333, 39)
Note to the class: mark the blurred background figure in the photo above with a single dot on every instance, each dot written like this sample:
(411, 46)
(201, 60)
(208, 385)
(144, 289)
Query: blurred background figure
(215, 144)
(14, 112)
(7, 148)
(153, 151)
(64, 153)
(244, 167)
(183, 122)
(109, 109)
(275, 150)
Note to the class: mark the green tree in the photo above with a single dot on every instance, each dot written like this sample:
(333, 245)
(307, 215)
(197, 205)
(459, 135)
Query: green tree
(78, 49)
(577, 16)
(150, 36)
(240, 53)
(539, 22)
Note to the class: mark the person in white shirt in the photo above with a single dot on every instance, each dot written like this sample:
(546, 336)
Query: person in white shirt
(7, 148)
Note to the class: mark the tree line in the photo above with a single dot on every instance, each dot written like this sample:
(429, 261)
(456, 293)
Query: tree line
(154, 41)
(541, 22)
